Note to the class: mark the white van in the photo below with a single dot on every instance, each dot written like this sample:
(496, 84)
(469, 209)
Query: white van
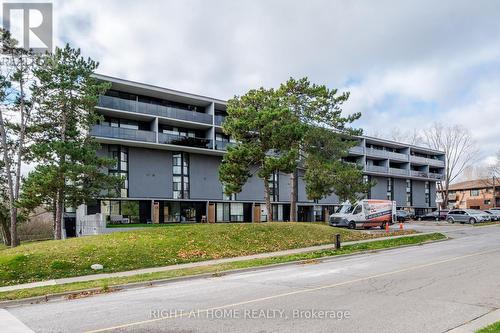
(365, 213)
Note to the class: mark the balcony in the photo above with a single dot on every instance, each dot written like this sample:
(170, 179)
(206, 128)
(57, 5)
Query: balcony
(386, 154)
(357, 150)
(416, 173)
(123, 133)
(154, 110)
(180, 140)
(400, 172)
(425, 160)
(218, 120)
(436, 175)
(376, 168)
(222, 145)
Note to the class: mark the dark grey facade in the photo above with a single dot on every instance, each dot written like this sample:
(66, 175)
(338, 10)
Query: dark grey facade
(169, 145)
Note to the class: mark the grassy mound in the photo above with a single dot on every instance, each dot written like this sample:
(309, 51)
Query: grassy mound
(152, 247)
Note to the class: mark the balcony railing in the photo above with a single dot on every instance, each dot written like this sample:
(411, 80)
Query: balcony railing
(357, 150)
(436, 175)
(222, 145)
(416, 173)
(386, 154)
(184, 140)
(396, 171)
(218, 120)
(123, 133)
(153, 109)
(376, 168)
(425, 160)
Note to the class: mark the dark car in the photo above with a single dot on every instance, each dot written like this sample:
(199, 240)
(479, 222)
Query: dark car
(402, 215)
(434, 216)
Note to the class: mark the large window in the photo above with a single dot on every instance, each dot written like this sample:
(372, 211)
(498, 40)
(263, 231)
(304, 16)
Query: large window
(474, 193)
(180, 171)
(366, 180)
(120, 168)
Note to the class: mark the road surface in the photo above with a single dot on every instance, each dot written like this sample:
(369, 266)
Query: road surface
(429, 288)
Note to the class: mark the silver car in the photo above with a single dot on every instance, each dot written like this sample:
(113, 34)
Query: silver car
(467, 216)
(494, 214)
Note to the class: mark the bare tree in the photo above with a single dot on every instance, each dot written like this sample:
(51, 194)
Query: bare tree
(460, 150)
(412, 137)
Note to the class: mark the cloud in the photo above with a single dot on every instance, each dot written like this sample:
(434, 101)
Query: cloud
(406, 63)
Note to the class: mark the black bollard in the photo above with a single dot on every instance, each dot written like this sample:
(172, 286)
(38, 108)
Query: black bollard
(337, 241)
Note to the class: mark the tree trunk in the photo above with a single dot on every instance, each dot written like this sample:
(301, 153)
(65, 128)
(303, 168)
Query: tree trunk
(267, 197)
(4, 225)
(293, 196)
(59, 215)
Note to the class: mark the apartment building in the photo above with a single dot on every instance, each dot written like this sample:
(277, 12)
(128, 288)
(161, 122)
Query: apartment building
(169, 144)
(475, 194)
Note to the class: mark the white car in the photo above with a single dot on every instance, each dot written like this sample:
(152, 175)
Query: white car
(494, 214)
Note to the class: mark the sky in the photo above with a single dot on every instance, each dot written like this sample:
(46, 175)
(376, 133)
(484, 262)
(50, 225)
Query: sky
(406, 63)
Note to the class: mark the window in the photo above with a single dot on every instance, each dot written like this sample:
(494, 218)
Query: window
(390, 193)
(120, 168)
(180, 176)
(474, 193)
(357, 210)
(366, 180)
(428, 193)
(409, 190)
(123, 123)
(274, 186)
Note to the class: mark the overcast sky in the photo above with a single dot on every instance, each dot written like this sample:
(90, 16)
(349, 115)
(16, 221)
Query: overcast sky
(406, 63)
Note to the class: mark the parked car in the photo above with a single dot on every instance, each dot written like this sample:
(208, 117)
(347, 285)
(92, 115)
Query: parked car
(434, 216)
(467, 216)
(402, 216)
(365, 213)
(494, 214)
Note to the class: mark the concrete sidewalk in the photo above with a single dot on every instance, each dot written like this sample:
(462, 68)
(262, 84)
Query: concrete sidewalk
(93, 277)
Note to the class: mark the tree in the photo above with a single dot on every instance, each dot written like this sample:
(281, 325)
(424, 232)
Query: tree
(15, 118)
(69, 172)
(263, 130)
(325, 137)
(325, 170)
(460, 151)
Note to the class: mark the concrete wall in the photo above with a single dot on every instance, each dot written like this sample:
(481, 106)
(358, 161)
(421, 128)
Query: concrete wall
(150, 173)
(285, 187)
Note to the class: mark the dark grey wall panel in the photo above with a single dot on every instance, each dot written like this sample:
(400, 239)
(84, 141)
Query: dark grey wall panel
(253, 189)
(204, 174)
(284, 187)
(150, 173)
(400, 192)
(418, 194)
(379, 191)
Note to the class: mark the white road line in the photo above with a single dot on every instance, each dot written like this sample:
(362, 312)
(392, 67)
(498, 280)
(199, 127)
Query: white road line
(10, 324)
(301, 291)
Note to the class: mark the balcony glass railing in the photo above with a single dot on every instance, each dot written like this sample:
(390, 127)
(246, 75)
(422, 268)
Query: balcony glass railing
(222, 145)
(123, 133)
(386, 154)
(425, 160)
(184, 140)
(218, 120)
(357, 150)
(436, 175)
(416, 173)
(153, 109)
(396, 171)
(376, 168)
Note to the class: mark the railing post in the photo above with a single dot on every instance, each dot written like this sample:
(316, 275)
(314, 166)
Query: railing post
(337, 241)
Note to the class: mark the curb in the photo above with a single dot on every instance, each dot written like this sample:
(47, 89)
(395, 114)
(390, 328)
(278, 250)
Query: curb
(154, 283)
(478, 323)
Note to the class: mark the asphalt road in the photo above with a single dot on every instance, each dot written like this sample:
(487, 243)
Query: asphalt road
(429, 288)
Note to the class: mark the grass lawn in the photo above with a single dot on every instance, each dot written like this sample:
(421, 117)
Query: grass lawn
(153, 247)
(493, 328)
(485, 223)
(103, 285)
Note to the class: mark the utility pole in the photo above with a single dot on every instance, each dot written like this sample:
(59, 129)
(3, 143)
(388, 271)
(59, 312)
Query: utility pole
(494, 191)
